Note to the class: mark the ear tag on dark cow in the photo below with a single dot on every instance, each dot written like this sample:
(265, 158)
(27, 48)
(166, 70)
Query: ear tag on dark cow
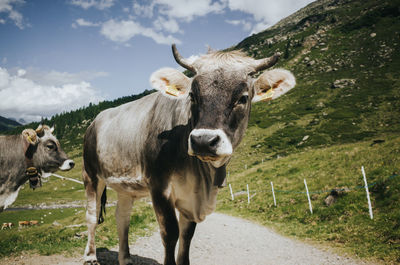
(172, 90)
(267, 95)
(30, 136)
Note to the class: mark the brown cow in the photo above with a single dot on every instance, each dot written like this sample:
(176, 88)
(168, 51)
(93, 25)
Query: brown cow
(7, 225)
(174, 145)
(23, 223)
(27, 157)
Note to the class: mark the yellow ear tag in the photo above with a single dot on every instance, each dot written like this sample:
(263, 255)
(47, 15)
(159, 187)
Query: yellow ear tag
(30, 136)
(268, 95)
(172, 90)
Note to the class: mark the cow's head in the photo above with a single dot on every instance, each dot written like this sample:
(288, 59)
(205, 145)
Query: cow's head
(46, 153)
(221, 93)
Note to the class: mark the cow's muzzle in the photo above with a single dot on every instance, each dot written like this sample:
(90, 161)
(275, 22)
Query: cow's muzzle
(67, 165)
(209, 145)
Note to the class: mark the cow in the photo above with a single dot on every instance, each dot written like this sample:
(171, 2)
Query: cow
(33, 222)
(23, 223)
(28, 156)
(174, 145)
(7, 225)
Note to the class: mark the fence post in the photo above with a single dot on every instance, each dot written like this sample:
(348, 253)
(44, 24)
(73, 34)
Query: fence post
(230, 188)
(248, 194)
(273, 192)
(367, 191)
(308, 196)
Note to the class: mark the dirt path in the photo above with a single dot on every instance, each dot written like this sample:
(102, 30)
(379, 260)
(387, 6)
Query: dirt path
(219, 240)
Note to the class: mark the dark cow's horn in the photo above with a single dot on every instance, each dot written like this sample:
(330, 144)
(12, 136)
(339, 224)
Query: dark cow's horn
(266, 63)
(40, 130)
(181, 61)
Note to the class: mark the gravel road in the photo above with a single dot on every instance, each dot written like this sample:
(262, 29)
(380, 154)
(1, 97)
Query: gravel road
(219, 240)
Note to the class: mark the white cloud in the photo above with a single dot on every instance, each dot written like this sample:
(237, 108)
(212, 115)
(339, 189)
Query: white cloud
(98, 4)
(169, 25)
(9, 8)
(124, 30)
(55, 78)
(84, 23)
(187, 9)
(143, 10)
(266, 12)
(168, 14)
(245, 24)
(260, 26)
(32, 100)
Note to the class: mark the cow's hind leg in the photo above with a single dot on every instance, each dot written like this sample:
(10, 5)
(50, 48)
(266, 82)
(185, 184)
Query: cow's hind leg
(95, 188)
(186, 232)
(123, 216)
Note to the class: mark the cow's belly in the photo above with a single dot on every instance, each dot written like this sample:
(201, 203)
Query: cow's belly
(133, 186)
(194, 204)
(129, 182)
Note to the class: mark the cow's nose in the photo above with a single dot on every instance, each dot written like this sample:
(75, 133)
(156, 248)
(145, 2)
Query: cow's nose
(204, 144)
(71, 164)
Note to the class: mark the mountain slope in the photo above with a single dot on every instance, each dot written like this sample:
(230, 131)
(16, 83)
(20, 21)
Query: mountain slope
(346, 58)
(7, 124)
(344, 113)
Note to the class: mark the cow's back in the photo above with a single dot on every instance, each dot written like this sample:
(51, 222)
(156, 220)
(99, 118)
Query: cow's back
(121, 140)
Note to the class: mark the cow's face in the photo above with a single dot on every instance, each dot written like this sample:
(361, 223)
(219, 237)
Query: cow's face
(49, 156)
(220, 95)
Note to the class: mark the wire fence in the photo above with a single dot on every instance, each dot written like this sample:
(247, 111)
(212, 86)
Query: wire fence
(321, 191)
(272, 190)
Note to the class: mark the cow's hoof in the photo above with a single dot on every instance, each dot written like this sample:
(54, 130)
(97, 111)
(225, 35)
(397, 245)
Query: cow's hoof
(91, 262)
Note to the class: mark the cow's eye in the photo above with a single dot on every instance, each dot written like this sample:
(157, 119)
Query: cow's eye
(51, 146)
(243, 99)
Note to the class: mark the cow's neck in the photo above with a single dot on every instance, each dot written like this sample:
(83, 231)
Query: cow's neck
(13, 176)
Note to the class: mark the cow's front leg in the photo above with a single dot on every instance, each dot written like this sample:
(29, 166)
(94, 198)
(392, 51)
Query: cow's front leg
(186, 232)
(168, 223)
(123, 216)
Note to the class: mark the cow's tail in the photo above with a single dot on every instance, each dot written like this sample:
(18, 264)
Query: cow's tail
(103, 206)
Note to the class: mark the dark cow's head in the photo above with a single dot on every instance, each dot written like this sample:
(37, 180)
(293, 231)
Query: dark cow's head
(221, 93)
(45, 151)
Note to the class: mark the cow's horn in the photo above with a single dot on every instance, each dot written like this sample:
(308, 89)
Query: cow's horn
(39, 130)
(266, 63)
(181, 61)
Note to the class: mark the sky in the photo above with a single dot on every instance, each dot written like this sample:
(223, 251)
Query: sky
(60, 55)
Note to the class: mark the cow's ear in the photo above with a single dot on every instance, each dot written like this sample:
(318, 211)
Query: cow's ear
(273, 84)
(30, 136)
(170, 82)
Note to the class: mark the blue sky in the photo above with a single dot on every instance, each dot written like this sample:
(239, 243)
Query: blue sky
(59, 55)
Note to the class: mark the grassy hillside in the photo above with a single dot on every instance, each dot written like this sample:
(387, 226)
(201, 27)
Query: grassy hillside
(346, 58)
(7, 124)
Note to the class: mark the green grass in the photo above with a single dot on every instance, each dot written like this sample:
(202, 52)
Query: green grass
(48, 238)
(345, 225)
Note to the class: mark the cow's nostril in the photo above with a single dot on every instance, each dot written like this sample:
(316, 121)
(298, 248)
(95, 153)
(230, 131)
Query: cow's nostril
(194, 139)
(214, 141)
(72, 164)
